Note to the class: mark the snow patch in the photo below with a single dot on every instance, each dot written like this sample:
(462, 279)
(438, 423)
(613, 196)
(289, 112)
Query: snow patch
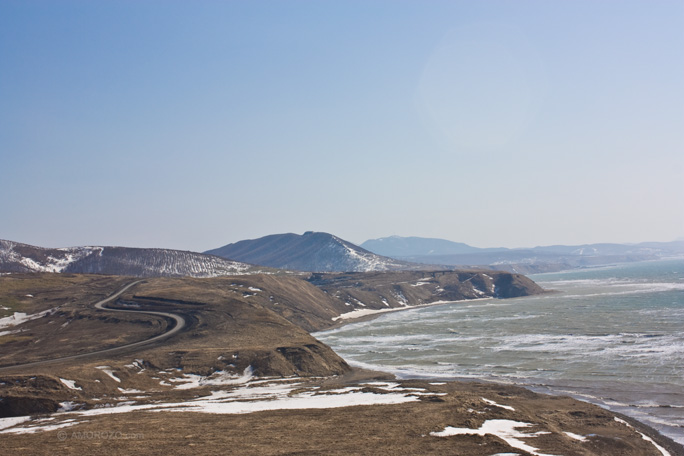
(67, 406)
(13, 421)
(662, 450)
(581, 438)
(33, 429)
(21, 317)
(507, 407)
(108, 370)
(130, 391)
(360, 313)
(506, 430)
(71, 384)
(217, 378)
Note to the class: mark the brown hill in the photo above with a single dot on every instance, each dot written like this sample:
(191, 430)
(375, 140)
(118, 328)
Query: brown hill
(141, 398)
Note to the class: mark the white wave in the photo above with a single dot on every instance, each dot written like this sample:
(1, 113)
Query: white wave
(585, 282)
(634, 289)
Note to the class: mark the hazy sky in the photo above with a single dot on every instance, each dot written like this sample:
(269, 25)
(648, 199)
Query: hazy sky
(193, 124)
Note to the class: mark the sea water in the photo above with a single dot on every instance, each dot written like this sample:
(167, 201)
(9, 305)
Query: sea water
(613, 336)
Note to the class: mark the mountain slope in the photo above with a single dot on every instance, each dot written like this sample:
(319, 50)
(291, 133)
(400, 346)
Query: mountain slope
(316, 252)
(404, 247)
(17, 257)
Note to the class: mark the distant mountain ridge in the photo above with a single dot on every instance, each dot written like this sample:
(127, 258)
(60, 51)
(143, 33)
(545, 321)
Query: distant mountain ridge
(311, 251)
(525, 260)
(398, 246)
(138, 262)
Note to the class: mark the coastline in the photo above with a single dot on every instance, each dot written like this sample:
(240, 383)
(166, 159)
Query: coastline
(372, 314)
(359, 373)
(360, 412)
(193, 400)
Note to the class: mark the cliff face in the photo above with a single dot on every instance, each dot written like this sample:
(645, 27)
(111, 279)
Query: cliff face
(378, 291)
(317, 302)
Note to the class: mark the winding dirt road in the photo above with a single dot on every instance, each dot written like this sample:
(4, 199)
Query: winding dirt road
(180, 324)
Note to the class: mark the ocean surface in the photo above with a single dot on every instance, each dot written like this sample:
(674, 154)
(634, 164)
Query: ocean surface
(613, 336)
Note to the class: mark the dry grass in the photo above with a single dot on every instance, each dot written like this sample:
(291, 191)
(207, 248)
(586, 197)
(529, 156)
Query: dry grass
(230, 327)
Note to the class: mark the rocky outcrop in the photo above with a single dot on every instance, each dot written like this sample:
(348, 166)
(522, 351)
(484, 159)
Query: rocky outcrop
(411, 288)
(23, 395)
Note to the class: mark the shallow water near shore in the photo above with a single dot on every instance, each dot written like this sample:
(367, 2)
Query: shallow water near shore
(613, 336)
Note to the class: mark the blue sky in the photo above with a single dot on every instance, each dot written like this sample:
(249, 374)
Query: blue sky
(191, 125)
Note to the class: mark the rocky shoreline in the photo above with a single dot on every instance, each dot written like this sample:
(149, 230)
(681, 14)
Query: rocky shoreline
(246, 376)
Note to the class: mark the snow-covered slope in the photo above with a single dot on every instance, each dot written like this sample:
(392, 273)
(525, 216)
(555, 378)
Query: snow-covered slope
(17, 257)
(312, 251)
